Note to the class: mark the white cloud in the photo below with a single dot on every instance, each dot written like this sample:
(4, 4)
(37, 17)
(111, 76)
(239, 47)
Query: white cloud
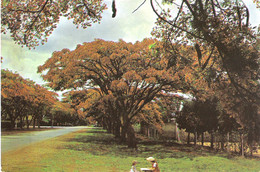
(22, 60)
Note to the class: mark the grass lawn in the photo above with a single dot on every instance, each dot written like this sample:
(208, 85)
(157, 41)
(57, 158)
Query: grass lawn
(93, 150)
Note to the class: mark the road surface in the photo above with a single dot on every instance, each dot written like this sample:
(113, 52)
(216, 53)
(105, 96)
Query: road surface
(12, 142)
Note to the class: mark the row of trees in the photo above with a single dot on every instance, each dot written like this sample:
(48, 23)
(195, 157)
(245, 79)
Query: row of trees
(198, 117)
(29, 103)
(209, 116)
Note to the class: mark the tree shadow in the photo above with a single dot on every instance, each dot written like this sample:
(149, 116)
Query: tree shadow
(99, 142)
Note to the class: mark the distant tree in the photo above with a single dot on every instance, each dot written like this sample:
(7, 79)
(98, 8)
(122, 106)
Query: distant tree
(198, 117)
(84, 103)
(170, 104)
(21, 98)
(188, 119)
(14, 96)
(44, 100)
(151, 114)
(61, 113)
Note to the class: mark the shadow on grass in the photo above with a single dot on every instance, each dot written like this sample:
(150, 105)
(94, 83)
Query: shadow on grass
(99, 142)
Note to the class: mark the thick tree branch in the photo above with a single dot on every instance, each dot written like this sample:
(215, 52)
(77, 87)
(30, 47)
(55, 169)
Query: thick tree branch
(172, 24)
(35, 19)
(90, 12)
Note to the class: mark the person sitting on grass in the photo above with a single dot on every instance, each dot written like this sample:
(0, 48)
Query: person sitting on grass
(133, 168)
(155, 167)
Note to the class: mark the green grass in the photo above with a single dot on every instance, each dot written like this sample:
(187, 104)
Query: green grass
(94, 150)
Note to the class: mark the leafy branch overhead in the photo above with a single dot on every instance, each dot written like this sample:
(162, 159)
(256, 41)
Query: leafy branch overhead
(223, 30)
(31, 23)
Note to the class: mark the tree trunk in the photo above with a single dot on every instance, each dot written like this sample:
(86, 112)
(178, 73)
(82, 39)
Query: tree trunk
(222, 142)
(228, 144)
(142, 128)
(34, 122)
(177, 132)
(12, 123)
(39, 122)
(202, 138)
(21, 122)
(108, 127)
(195, 138)
(52, 121)
(117, 130)
(188, 140)
(125, 126)
(123, 134)
(131, 139)
(250, 140)
(104, 124)
(27, 122)
(212, 140)
(242, 144)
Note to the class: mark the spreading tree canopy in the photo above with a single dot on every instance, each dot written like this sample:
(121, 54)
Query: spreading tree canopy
(126, 76)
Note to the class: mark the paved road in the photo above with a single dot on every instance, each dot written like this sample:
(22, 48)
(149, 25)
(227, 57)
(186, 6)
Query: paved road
(12, 142)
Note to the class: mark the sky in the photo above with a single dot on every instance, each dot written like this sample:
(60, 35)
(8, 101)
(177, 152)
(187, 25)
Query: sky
(126, 25)
(130, 27)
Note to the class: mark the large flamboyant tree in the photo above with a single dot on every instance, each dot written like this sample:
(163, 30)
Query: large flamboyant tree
(127, 76)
